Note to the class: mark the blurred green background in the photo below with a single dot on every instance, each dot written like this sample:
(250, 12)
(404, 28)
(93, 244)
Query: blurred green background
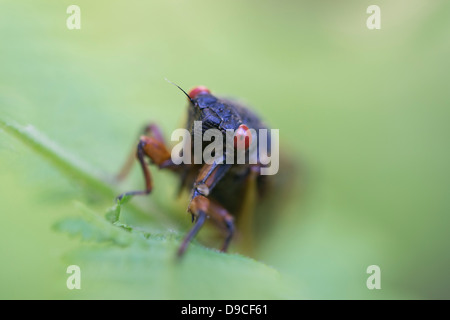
(365, 112)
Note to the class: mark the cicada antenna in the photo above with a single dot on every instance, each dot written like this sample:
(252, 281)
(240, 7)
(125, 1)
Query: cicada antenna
(190, 99)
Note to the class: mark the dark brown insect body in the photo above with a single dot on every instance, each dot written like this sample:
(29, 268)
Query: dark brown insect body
(221, 190)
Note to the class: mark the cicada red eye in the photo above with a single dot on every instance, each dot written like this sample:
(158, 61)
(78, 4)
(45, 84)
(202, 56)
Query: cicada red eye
(198, 90)
(242, 137)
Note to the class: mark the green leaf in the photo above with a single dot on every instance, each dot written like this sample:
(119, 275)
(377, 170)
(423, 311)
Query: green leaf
(58, 157)
(121, 261)
(113, 214)
(135, 264)
(75, 168)
(92, 227)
